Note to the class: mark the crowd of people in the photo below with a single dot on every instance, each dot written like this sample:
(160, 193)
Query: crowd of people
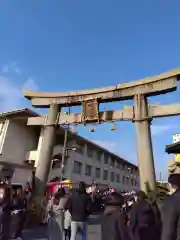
(13, 209)
(135, 216)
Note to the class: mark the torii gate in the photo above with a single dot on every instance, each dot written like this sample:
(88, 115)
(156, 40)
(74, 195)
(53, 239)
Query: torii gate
(140, 113)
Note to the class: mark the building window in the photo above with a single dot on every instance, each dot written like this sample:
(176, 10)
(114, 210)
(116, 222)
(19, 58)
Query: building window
(132, 181)
(123, 179)
(99, 156)
(3, 130)
(80, 149)
(118, 178)
(89, 152)
(127, 180)
(56, 164)
(105, 175)
(88, 170)
(123, 167)
(112, 162)
(98, 173)
(135, 182)
(106, 159)
(118, 165)
(112, 177)
(77, 167)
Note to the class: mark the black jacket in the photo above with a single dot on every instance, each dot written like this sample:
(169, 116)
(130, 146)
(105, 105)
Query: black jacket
(113, 225)
(79, 206)
(143, 221)
(18, 203)
(171, 218)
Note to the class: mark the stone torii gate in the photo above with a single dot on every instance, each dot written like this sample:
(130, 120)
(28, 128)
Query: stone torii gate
(140, 113)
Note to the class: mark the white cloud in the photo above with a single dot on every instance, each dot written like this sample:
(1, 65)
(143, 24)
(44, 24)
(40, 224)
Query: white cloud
(12, 67)
(5, 69)
(17, 70)
(159, 129)
(30, 84)
(11, 96)
(110, 146)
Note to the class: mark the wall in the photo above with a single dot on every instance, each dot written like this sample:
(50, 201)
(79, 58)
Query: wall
(22, 176)
(18, 140)
(95, 163)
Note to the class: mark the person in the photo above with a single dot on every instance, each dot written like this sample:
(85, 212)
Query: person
(79, 206)
(142, 220)
(5, 212)
(67, 219)
(56, 209)
(18, 214)
(171, 211)
(113, 224)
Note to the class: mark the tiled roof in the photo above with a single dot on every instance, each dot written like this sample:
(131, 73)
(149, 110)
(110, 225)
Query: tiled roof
(173, 148)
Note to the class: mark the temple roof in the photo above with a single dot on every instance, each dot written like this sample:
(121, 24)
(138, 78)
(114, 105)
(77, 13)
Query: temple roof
(173, 148)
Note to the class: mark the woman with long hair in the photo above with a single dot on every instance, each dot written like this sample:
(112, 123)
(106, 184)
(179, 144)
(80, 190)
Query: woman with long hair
(56, 211)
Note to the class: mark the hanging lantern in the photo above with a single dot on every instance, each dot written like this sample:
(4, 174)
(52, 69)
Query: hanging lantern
(91, 129)
(113, 128)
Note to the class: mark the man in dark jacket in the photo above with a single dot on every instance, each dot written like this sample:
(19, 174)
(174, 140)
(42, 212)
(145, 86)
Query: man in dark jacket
(18, 207)
(79, 206)
(113, 224)
(171, 211)
(143, 219)
(5, 212)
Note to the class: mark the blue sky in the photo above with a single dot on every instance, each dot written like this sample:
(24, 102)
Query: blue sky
(78, 44)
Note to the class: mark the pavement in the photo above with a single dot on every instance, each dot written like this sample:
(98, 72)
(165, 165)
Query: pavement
(40, 233)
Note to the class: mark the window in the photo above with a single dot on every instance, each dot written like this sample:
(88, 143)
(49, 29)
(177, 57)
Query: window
(123, 167)
(77, 167)
(98, 173)
(106, 159)
(105, 175)
(123, 179)
(89, 152)
(3, 130)
(99, 156)
(118, 178)
(132, 181)
(127, 180)
(112, 162)
(80, 149)
(118, 165)
(135, 182)
(56, 164)
(112, 177)
(88, 170)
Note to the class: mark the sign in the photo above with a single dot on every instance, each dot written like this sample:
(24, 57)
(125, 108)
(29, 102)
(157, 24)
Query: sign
(90, 111)
(176, 138)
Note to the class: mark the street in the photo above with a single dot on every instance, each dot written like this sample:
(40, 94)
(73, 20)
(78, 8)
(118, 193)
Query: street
(40, 233)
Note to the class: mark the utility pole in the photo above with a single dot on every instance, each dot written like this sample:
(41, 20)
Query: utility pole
(63, 154)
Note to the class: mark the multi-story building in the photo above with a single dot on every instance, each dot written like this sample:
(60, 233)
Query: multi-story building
(20, 147)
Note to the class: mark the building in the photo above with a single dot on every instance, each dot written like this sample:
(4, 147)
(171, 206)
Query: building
(20, 146)
(173, 148)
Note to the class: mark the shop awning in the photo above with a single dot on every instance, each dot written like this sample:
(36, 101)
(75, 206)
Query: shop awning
(173, 148)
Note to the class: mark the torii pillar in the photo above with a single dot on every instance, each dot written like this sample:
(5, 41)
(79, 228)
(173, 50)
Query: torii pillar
(144, 144)
(45, 157)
